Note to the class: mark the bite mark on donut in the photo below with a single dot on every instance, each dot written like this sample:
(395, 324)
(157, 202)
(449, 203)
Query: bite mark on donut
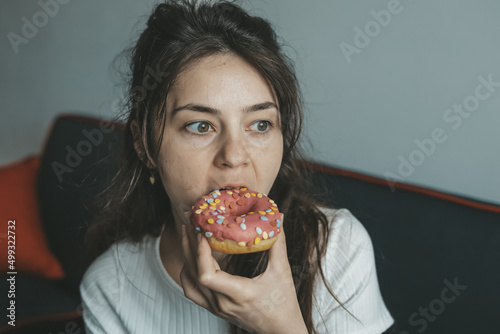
(239, 230)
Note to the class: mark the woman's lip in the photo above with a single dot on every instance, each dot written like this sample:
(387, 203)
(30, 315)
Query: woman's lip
(228, 187)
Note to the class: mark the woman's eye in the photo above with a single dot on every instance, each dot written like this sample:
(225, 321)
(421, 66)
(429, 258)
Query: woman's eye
(261, 126)
(199, 127)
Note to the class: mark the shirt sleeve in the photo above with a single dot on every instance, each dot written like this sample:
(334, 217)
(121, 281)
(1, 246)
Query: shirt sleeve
(100, 291)
(349, 268)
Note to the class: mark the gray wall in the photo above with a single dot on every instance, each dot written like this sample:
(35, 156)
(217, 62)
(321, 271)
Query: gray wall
(383, 101)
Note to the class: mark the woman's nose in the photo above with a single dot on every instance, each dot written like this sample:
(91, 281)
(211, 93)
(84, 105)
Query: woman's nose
(233, 151)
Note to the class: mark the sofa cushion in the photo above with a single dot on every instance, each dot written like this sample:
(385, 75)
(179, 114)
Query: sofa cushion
(19, 215)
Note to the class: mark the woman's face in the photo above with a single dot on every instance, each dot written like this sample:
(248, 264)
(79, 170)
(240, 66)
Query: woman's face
(222, 130)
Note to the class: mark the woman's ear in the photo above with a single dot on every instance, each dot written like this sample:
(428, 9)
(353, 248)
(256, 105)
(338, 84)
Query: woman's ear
(138, 146)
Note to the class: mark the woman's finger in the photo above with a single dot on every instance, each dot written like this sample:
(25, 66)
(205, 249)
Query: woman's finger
(191, 290)
(278, 257)
(203, 296)
(210, 275)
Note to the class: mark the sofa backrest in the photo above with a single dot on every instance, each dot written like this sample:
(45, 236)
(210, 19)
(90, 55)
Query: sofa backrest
(79, 157)
(437, 255)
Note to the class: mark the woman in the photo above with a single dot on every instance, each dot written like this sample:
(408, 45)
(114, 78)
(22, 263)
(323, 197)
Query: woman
(214, 103)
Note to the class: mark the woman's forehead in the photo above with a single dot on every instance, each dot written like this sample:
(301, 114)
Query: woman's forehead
(217, 81)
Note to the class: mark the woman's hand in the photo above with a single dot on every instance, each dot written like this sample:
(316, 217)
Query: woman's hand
(264, 304)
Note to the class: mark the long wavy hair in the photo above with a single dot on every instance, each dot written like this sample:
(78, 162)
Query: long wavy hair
(178, 33)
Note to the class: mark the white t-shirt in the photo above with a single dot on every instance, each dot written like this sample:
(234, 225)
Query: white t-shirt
(127, 289)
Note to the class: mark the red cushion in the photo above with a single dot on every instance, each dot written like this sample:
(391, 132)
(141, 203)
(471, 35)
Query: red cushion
(19, 208)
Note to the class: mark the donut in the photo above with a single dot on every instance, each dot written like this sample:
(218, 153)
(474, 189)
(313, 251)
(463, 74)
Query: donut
(237, 220)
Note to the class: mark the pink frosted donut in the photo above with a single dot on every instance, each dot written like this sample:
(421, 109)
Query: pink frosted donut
(237, 221)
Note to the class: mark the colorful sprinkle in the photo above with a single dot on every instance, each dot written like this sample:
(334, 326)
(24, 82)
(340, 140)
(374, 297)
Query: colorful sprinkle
(209, 200)
(210, 221)
(264, 235)
(198, 211)
(243, 226)
(271, 201)
(220, 217)
(230, 225)
(243, 188)
(263, 218)
(241, 243)
(229, 192)
(247, 195)
(220, 221)
(214, 195)
(262, 212)
(257, 240)
(214, 213)
(197, 229)
(271, 234)
(208, 234)
(259, 230)
(269, 210)
(259, 195)
(279, 222)
(217, 200)
(253, 194)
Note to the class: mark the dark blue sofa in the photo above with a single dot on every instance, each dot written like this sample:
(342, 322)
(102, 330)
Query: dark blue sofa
(437, 255)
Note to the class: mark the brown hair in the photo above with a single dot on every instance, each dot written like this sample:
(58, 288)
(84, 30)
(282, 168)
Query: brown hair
(179, 32)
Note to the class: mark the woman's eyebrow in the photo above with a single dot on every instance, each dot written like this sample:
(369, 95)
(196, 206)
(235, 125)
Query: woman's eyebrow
(201, 108)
